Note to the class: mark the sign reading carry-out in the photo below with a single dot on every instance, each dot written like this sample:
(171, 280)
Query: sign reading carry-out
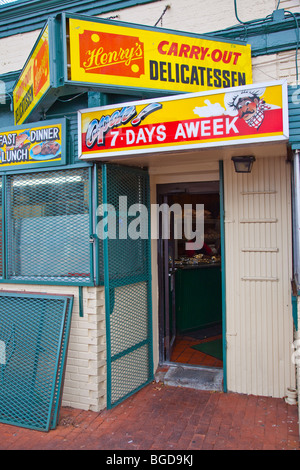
(112, 54)
(241, 115)
(35, 145)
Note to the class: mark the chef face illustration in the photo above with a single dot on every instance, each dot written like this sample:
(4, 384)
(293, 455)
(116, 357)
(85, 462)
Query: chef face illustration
(249, 105)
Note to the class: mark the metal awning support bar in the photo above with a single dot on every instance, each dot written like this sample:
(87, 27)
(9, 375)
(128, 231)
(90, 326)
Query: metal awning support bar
(296, 250)
(296, 217)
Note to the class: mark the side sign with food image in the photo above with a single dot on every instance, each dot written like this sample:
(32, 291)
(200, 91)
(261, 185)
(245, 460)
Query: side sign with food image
(32, 146)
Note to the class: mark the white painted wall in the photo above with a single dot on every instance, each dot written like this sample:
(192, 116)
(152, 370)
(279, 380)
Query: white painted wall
(258, 265)
(258, 278)
(197, 16)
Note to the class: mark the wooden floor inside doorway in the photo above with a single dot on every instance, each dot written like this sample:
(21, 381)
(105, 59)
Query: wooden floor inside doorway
(183, 351)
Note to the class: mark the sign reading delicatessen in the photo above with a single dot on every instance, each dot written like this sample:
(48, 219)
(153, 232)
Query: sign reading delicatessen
(35, 145)
(240, 115)
(115, 54)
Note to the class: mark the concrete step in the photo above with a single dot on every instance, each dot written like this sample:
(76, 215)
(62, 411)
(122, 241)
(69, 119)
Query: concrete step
(196, 377)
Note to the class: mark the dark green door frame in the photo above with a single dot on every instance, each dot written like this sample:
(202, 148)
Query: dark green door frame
(223, 273)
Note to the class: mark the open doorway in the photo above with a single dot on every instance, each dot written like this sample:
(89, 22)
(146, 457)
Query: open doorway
(190, 283)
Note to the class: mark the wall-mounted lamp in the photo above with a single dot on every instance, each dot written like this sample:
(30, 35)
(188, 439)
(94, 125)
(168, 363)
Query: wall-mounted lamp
(243, 164)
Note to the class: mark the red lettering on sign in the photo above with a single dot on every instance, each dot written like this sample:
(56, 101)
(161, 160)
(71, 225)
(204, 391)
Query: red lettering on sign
(197, 52)
(111, 54)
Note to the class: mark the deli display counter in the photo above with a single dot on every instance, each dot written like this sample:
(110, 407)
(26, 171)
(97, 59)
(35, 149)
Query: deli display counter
(198, 286)
(190, 280)
(198, 292)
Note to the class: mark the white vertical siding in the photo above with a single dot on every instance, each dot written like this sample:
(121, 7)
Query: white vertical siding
(258, 273)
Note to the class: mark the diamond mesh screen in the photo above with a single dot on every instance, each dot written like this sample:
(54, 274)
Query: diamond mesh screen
(130, 341)
(48, 226)
(128, 257)
(34, 331)
(128, 304)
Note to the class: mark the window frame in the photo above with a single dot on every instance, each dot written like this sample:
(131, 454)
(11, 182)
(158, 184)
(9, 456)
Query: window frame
(72, 281)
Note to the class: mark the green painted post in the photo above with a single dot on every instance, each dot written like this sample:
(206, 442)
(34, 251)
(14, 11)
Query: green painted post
(151, 364)
(3, 199)
(96, 239)
(223, 274)
(91, 225)
(107, 296)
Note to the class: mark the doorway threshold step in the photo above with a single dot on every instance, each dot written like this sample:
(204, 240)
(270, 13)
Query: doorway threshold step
(199, 378)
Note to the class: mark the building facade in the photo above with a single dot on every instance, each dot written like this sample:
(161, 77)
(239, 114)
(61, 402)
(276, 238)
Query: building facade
(135, 300)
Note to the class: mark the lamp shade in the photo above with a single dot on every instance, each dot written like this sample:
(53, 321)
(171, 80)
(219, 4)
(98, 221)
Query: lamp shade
(243, 164)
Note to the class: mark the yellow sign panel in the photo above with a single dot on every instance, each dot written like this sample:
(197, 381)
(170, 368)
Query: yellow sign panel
(33, 146)
(240, 115)
(34, 80)
(115, 55)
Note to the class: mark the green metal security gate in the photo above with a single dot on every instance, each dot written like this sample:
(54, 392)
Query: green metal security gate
(34, 333)
(127, 279)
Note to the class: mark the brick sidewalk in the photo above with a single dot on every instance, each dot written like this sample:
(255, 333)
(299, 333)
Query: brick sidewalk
(169, 418)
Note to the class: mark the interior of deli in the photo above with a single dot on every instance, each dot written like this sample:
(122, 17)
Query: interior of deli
(149, 195)
(196, 273)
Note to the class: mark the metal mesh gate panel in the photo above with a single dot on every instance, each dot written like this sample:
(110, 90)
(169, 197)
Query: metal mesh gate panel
(127, 284)
(34, 332)
(48, 226)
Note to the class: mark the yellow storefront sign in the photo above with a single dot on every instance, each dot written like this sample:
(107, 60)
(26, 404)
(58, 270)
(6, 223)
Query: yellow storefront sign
(125, 56)
(240, 115)
(34, 80)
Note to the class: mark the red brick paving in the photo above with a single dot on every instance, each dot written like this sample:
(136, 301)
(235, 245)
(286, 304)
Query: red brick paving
(167, 418)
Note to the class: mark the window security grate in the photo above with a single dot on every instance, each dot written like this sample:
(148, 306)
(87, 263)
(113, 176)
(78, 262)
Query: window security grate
(48, 226)
(34, 332)
(128, 304)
